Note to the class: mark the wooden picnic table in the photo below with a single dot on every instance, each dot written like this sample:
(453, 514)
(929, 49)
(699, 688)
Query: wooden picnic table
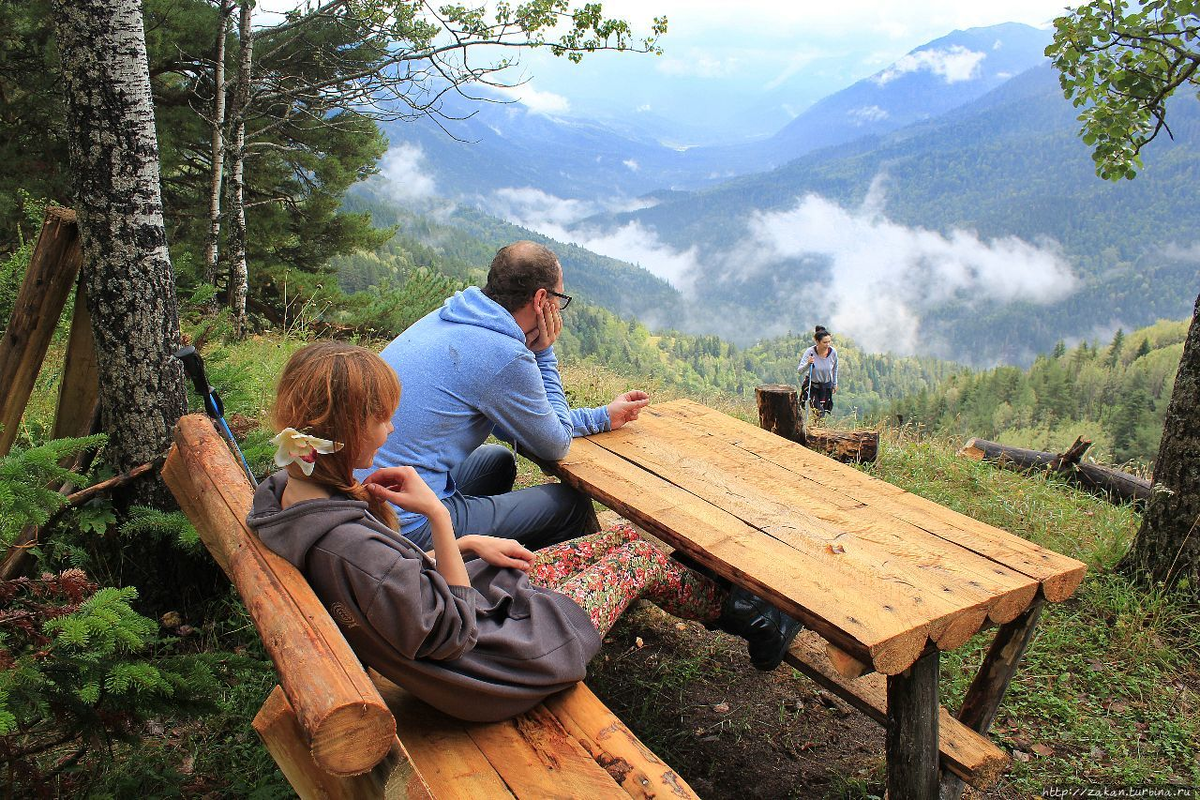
(885, 578)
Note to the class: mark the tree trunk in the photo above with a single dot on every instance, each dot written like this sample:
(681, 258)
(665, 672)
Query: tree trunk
(239, 273)
(1167, 547)
(126, 268)
(212, 243)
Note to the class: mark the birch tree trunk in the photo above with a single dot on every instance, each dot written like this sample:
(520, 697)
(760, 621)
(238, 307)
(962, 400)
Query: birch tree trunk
(212, 244)
(126, 267)
(1167, 547)
(239, 273)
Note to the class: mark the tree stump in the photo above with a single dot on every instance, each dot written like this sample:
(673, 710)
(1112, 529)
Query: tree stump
(779, 411)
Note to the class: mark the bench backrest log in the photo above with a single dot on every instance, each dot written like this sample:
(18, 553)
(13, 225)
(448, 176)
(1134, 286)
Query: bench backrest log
(342, 715)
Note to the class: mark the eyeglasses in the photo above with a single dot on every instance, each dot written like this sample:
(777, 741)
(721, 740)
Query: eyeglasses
(565, 298)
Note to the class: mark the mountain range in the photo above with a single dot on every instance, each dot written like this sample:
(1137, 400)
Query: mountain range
(944, 205)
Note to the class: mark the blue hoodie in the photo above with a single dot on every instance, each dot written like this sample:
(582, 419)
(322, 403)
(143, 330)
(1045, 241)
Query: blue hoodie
(466, 373)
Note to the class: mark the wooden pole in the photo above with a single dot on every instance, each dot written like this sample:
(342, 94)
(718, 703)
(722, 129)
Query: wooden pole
(79, 388)
(52, 270)
(912, 731)
(1120, 487)
(983, 697)
(345, 720)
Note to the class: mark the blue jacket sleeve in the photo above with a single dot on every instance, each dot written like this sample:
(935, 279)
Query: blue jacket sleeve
(526, 402)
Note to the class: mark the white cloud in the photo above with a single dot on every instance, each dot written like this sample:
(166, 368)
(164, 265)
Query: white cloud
(955, 63)
(697, 65)
(536, 101)
(643, 108)
(866, 114)
(632, 164)
(537, 210)
(403, 173)
(556, 217)
(885, 276)
(1186, 254)
(795, 63)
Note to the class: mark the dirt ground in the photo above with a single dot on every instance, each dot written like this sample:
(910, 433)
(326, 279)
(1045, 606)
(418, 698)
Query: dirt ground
(727, 729)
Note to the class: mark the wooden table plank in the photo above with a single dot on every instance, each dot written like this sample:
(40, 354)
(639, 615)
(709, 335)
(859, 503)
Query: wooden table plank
(887, 627)
(780, 503)
(1058, 575)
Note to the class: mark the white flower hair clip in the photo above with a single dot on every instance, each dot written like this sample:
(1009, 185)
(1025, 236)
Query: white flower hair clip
(295, 447)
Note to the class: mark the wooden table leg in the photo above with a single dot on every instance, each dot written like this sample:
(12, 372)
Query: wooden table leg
(912, 731)
(982, 700)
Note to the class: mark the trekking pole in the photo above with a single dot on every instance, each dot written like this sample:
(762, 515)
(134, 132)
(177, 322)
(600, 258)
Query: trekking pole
(193, 365)
(808, 411)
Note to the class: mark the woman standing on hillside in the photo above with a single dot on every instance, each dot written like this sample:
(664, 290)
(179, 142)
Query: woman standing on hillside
(820, 366)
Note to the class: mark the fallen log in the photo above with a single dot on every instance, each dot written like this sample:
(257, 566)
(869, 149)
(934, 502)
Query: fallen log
(848, 446)
(779, 413)
(1117, 486)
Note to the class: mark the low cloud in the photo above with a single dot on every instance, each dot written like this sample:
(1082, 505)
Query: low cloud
(955, 63)
(631, 164)
(404, 174)
(884, 276)
(558, 218)
(538, 102)
(698, 65)
(867, 114)
(534, 209)
(1189, 254)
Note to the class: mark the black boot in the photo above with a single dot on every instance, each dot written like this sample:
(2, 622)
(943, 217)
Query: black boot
(767, 630)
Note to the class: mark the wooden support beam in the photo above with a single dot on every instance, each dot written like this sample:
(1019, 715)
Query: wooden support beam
(79, 388)
(912, 730)
(963, 752)
(53, 268)
(984, 695)
(346, 722)
(393, 777)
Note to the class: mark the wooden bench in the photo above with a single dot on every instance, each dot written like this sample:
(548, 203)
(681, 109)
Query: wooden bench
(337, 732)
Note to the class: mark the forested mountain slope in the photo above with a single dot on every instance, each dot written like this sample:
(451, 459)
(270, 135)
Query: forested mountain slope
(1114, 394)
(1007, 165)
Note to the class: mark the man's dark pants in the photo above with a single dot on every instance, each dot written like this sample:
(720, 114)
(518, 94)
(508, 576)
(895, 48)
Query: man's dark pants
(486, 504)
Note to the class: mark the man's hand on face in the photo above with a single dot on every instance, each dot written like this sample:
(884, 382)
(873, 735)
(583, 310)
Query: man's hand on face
(549, 326)
(626, 407)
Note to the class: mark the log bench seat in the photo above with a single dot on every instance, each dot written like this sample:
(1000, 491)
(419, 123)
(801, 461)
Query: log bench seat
(337, 732)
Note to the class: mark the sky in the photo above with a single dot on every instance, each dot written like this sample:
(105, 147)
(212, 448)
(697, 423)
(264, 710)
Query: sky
(747, 68)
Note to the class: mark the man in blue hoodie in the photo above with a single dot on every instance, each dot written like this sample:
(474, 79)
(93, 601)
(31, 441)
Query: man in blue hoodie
(484, 363)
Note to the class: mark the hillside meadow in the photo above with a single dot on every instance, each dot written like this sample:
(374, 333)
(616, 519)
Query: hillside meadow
(1109, 692)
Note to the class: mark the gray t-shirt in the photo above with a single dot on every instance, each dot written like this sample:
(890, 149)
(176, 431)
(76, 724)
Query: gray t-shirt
(824, 368)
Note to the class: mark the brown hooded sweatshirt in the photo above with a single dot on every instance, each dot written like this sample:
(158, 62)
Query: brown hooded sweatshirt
(482, 653)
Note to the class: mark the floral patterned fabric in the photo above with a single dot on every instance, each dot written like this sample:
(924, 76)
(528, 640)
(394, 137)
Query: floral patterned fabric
(607, 571)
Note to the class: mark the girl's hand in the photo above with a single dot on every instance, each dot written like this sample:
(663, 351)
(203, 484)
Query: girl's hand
(498, 552)
(404, 487)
